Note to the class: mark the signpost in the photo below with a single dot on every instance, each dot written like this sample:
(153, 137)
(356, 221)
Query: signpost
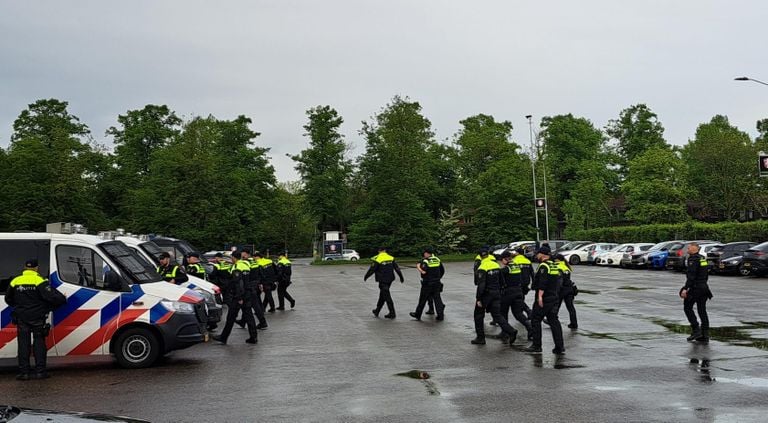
(763, 164)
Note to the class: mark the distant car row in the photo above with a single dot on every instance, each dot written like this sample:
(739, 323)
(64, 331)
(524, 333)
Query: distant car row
(743, 257)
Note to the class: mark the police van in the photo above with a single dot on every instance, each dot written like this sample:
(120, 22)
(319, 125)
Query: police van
(149, 251)
(116, 302)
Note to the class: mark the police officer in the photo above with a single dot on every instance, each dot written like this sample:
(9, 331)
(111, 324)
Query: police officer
(431, 270)
(483, 254)
(194, 267)
(32, 297)
(519, 259)
(170, 271)
(267, 279)
(221, 269)
(696, 291)
(384, 267)
(568, 290)
(252, 290)
(284, 281)
(547, 282)
(237, 298)
(488, 298)
(513, 284)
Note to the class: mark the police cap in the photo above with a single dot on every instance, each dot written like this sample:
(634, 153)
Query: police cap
(164, 255)
(31, 263)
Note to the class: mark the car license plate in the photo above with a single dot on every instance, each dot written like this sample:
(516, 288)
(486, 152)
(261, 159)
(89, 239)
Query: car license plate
(722, 266)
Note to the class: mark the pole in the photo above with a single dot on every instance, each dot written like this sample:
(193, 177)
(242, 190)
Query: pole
(546, 200)
(533, 171)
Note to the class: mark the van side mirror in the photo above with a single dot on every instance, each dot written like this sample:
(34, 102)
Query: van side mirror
(115, 282)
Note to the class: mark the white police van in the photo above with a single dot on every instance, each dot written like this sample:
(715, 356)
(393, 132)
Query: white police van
(116, 302)
(212, 293)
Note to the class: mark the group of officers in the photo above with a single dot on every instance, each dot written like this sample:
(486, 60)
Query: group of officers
(501, 287)
(247, 281)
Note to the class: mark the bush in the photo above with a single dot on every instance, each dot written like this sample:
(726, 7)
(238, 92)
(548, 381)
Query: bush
(724, 232)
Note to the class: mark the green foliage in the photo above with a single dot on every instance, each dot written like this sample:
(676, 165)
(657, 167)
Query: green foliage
(721, 168)
(482, 141)
(324, 170)
(756, 231)
(636, 131)
(655, 187)
(289, 226)
(449, 238)
(395, 177)
(49, 170)
(591, 201)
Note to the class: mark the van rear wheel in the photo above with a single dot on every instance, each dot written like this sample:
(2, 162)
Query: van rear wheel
(137, 348)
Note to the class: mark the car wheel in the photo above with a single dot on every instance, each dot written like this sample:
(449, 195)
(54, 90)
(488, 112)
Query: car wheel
(743, 271)
(353, 259)
(137, 348)
(575, 259)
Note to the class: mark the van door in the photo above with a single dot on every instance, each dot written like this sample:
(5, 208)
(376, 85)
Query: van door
(81, 326)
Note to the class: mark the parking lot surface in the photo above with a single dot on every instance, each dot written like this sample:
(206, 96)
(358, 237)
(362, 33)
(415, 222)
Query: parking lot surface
(330, 359)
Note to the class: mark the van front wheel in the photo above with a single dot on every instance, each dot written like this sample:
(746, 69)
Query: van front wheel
(137, 348)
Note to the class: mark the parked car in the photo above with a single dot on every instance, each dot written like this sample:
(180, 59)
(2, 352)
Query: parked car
(639, 259)
(732, 266)
(658, 259)
(555, 244)
(756, 259)
(637, 249)
(586, 253)
(678, 256)
(351, 255)
(733, 249)
(614, 256)
(573, 245)
(496, 250)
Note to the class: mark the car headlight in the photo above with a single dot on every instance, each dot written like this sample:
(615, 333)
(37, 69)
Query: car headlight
(209, 298)
(178, 306)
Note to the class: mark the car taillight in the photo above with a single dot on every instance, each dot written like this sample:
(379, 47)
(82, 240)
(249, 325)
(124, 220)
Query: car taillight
(759, 253)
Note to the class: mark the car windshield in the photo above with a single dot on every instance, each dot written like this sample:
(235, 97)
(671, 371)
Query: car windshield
(151, 249)
(573, 245)
(130, 263)
(658, 246)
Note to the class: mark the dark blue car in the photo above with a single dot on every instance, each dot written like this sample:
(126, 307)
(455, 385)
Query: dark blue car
(658, 259)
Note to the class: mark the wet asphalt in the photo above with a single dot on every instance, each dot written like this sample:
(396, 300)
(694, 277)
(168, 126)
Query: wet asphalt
(330, 359)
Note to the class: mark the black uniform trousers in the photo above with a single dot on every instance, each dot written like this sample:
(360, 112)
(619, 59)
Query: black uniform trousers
(430, 291)
(550, 309)
(566, 296)
(269, 300)
(282, 293)
(491, 301)
(385, 297)
(254, 307)
(512, 299)
(700, 300)
(232, 309)
(25, 334)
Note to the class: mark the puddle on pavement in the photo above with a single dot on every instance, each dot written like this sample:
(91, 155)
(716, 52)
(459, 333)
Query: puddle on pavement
(632, 288)
(579, 302)
(587, 291)
(753, 382)
(704, 370)
(559, 363)
(424, 378)
(734, 335)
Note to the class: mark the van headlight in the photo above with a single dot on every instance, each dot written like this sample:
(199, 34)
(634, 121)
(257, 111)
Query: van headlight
(179, 307)
(209, 298)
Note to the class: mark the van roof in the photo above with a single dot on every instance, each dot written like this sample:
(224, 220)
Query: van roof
(46, 235)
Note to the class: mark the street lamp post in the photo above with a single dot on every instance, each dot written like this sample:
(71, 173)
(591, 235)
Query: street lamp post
(744, 78)
(533, 171)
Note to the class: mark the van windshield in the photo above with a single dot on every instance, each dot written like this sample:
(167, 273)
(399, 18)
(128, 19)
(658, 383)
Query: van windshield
(151, 249)
(129, 262)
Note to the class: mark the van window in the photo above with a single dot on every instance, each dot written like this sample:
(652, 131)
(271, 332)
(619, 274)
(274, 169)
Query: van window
(80, 266)
(13, 254)
(138, 269)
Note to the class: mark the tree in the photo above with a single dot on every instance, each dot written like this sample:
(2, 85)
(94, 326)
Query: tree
(655, 189)
(721, 182)
(636, 131)
(568, 143)
(591, 202)
(481, 142)
(324, 169)
(395, 178)
(450, 237)
(289, 225)
(51, 165)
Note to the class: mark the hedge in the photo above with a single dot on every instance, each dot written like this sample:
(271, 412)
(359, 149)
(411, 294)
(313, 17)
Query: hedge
(756, 231)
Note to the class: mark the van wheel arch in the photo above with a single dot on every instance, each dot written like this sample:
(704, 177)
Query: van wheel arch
(138, 327)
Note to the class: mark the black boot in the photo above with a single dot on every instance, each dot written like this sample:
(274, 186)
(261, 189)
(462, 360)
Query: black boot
(480, 340)
(414, 315)
(703, 337)
(512, 337)
(532, 349)
(375, 312)
(695, 334)
(218, 338)
(389, 316)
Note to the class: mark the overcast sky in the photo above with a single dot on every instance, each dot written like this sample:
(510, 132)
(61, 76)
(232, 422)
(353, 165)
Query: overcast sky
(273, 60)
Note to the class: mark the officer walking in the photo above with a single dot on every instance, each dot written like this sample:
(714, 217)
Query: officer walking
(267, 279)
(488, 298)
(170, 271)
(221, 268)
(284, 281)
(237, 298)
(519, 259)
(32, 297)
(696, 291)
(431, 270)
(252, 291)
(568, 291)
(547, 282)
(514, 283)
(194, 267)
(384, 267)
